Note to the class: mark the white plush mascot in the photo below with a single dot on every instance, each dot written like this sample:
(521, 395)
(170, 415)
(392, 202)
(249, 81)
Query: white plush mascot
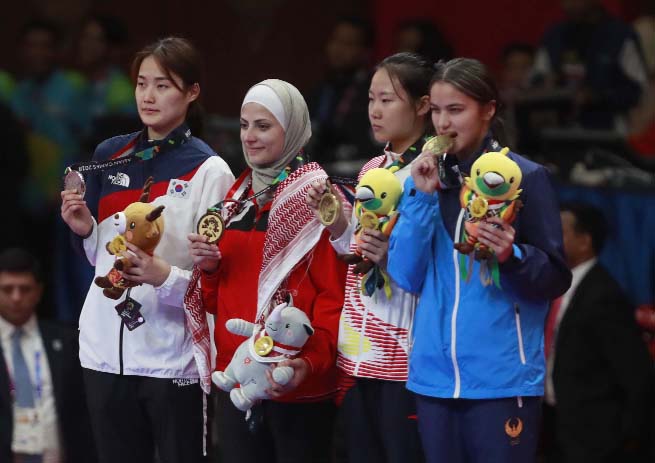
(285, 332)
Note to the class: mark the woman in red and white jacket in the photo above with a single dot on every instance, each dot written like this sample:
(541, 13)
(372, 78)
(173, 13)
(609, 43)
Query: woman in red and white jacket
(273, 247)
(378, 413)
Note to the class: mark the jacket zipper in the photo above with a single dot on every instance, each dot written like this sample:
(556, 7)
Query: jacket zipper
(120, 348)
(519, 333)
(120, 339)
(453, 319)
(361, 341)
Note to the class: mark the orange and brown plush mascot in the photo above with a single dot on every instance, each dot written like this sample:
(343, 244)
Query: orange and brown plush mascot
(141, 224)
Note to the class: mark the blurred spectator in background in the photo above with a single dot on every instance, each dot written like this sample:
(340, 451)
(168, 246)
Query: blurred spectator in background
(641, 135)
(645, 316)
(338, 105)
(642, 119)
(645, 27)
(50, 103)
(517, 59)
(15, 166)
(597, 58)
(600, 377)
(424, 38)
(43, 413)
(110, 94)
(6, 86)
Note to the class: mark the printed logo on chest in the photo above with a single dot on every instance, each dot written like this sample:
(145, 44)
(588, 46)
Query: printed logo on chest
(120, 179)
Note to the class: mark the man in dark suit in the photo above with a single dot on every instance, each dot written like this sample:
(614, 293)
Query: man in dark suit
(43, 414)
(601, 374)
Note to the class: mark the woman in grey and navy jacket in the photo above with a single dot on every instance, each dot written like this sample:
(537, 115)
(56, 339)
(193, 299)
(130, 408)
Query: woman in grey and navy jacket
(477, 363)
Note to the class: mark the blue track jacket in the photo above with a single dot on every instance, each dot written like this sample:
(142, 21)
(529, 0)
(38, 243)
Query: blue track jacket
(474, 341)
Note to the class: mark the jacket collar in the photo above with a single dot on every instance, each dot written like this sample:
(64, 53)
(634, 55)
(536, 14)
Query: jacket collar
(177, 136)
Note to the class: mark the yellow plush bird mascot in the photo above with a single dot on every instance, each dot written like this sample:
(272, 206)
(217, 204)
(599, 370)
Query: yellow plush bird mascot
(376, 198)
(492, 190)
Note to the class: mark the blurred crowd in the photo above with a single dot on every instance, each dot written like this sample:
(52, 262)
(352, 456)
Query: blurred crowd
(52, 117)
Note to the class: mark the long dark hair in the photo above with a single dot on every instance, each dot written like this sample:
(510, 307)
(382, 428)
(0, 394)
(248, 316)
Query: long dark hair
(413, 73)
(176, 55)
(473, 79)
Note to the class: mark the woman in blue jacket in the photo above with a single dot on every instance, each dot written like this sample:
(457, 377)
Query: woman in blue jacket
(477, 363)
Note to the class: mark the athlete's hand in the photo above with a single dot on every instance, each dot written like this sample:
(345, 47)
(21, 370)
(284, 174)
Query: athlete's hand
(374, 245)
(75, 213)
(425, 173)
(145, 268)
(301, 370)
(498, 235)
(313, 198)
(205, 256)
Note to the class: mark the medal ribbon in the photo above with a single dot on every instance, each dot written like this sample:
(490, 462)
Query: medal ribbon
(278, 347)
(128, 157)
(408, 156)
(234, 197)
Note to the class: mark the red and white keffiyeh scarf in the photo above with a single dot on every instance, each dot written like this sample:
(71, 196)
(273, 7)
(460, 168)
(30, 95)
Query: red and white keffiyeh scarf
(292, 232)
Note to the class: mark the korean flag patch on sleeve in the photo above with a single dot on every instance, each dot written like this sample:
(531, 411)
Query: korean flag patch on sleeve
(179, 188)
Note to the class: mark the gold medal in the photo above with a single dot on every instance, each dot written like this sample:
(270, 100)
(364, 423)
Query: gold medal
(369, 220)
(73, 180)
(264, 345)
(479, 207)
(438, 145)
(329, 208)
(212, 226)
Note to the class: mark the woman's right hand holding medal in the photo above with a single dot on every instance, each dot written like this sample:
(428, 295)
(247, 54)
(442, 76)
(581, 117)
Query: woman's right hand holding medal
(327, 208)
(205, 256)
(76, 213)
(425, 173)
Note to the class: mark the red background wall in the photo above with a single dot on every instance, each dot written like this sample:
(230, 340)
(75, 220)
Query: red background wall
(479, 29)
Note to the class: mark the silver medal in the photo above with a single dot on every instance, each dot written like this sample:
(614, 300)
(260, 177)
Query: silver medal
(73, 180)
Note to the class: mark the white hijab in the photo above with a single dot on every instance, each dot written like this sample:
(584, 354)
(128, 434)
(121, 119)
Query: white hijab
(288, 106)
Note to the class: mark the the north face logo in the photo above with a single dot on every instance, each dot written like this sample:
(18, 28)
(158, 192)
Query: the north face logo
(119, 179)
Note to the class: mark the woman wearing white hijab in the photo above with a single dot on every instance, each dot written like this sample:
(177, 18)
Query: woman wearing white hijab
(273, 247)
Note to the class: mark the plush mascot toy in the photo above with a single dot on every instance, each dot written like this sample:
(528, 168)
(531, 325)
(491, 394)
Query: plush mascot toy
(492, 190)
(141, 224)
(284, 334)
(376, 198)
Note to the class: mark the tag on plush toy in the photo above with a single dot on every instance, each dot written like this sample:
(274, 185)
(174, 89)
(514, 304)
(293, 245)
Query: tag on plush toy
(130, 313)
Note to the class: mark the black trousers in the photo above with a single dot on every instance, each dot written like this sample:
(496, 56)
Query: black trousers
(135, 417)
(377, 423)
(284, 433)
